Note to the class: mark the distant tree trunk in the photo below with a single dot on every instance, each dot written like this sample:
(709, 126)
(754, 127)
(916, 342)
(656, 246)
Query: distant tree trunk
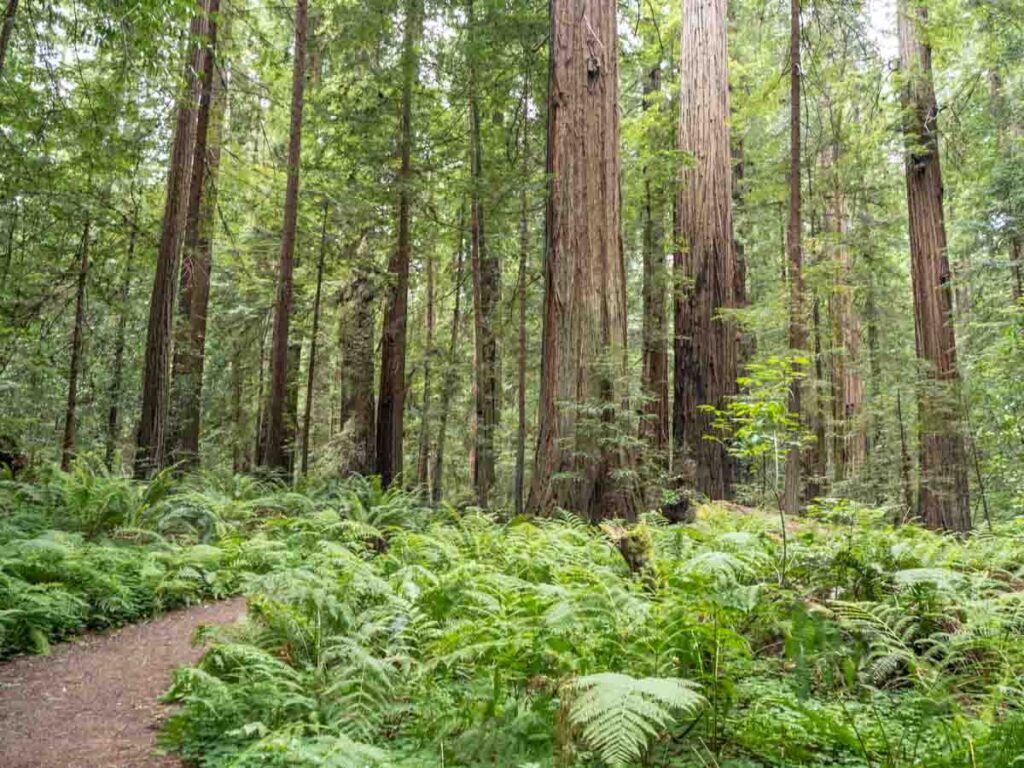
(746, 340)
(816, 457)
(70, 415)
(238, 450)
(391, 403)
(449, 372)
(581, 463)
(423, 460)
(194, 282)
(357, 403)
(6, 30)
(519, 492)
(149, 456)
(906, 464)
(276, 452)
(794, 252)
(705, 344)
(486, 295)
(944, 497)
(849, 436)
(291, 416)
(117, 375)
(655, 423)
(257, 452)
(307, 419)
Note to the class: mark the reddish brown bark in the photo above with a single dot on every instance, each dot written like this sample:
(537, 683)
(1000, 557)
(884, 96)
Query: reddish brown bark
(194, 281)
(149, 455)
(944, 499)
(580, 464)
(705, 343)
(71, 414)
(391, 402)
(277, 451)
(655, 423)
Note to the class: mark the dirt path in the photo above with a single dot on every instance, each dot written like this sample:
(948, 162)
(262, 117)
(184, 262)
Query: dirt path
(93, 703)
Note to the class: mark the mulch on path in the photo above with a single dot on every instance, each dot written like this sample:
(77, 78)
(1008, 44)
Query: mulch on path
(93, 702)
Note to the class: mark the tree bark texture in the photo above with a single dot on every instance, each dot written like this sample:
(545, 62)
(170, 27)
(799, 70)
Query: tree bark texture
(307, 419)
(391, 402)
(581, 463)
(519, 489)
(277, 452)
(944, 497)
(149, 455)
(358, 322)
(705, 343)
(77, 344)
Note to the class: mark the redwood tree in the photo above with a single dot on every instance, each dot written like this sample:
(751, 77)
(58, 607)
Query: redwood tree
(391, 402)
(944, 499)
(276, 451)
(149, 455)
(705, 343)
(580, 465)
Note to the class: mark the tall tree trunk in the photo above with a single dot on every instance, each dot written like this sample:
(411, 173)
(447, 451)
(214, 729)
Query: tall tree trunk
(391, 403)
(277, 452)
(581, 463)
(149, 455)
(450, 369)
(486, 294)
(5, 32)
(849, 448)
(257, 452)
(794, 253)
(291, 414)
(194, 280)
(816, 457)
(117, 375)
(423, 460)
(70, 415)
(307, 419)
(944, 497)
(655, 424)
(358, 322)
(519, 491)
(705, 343)
(238, 450)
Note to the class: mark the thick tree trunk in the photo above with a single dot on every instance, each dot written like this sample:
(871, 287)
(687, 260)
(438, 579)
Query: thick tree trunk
(849, 448)
(277, 452)
(450, 370)
(944, 497)
(117, 374)
(423, 460)
(655, 423)
(307, 419)
(70, 415)
(519, 491)
(582, 464)
(705, 344)
(194, 282)
(794, 254)
(486, 296)
(391, 402)
(358, 322)
(10, 13)
(149, 455)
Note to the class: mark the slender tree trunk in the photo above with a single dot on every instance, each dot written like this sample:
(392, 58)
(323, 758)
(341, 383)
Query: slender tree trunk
(944, 497)
(277, 452)
(238, 450)
(816, 457)
(582, 463)
(906, 465)
(705, 343)
(117, 375)
(257, 452)
(486, 294)
(391, 403)
(655, 424)
(291, 415)
(307, 419)
(519, 492)
(450, 369)
(423, 460)
(194, 281)
(357, 350)
(6, 31)
(70, 415)
(155, 383)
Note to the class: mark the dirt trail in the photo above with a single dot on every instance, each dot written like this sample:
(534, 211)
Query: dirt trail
(93, 703)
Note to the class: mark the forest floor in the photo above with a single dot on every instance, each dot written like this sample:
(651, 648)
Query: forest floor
(93, 703)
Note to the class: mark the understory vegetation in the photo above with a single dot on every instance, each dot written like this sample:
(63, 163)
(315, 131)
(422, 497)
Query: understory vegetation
(384, 632)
